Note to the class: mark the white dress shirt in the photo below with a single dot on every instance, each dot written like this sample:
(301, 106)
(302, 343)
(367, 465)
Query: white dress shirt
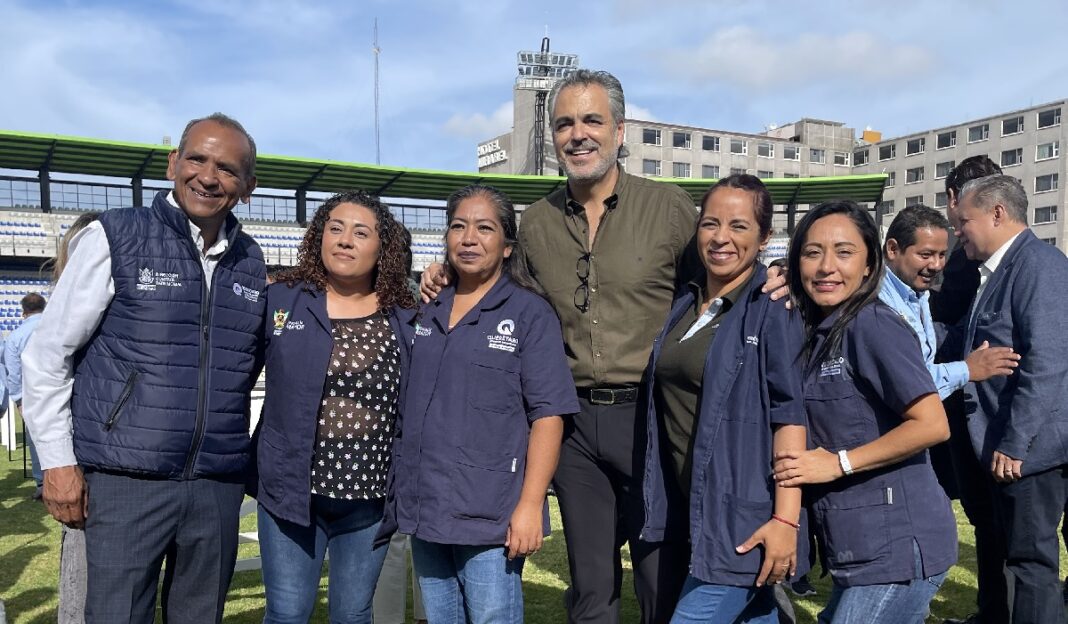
(77, 305)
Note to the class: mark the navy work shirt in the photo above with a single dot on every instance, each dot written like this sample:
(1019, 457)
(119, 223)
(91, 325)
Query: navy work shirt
(461, 443)
(867, 521)
(751, 381)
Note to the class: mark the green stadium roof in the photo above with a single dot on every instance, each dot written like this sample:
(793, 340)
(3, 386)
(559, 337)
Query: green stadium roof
(77, 155)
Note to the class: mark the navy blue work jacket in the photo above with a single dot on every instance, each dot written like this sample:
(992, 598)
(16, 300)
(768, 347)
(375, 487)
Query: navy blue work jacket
(299, 344)
(460, 452)
(866, 522)
(751, 381)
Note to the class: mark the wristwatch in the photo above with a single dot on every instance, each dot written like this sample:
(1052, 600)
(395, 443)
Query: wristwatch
(843, 461)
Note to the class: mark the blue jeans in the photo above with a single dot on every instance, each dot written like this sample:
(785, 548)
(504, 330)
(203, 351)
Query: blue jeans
(892, 603)
(468, 584)
(293, 560)
(707, 602)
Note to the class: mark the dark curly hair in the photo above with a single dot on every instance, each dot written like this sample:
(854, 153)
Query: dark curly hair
(394, 257)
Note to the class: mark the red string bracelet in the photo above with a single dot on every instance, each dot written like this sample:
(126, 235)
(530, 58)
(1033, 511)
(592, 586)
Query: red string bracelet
(795, 525)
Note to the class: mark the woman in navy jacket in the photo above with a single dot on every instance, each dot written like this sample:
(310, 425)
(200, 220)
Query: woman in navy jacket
(337, 350)
(480, 433)
(723, 392)
(886, 530)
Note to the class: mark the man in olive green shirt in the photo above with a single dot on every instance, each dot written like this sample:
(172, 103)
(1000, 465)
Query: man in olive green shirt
(609, 250)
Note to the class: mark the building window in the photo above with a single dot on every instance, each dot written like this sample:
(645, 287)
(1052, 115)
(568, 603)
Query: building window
(1011, 158)
(841, 158)
(886, 152)
(941, 199)
(891, 179)
(1012, 125)
(1046, 183)
(947, 140)
(1048, 150)
(887, 207)
(817, 155)
(1049, 118)
(915, 200)
(914, 175)
(710, 143)
(766, 150)
(762, 174)
(791, 175)
(710, 172)
(738, 146)
(650, 136)
(651, 167)
(978, 133)
(915, 146)
(791, 152)
(942, 169)
(1051, 241)
(737, 171)
(860, 157)
(680, 139)
(1046, 214)
(680, 170)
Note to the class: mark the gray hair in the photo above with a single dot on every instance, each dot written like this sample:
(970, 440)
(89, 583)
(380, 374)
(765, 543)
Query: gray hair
(996, 190)
(233, 124)
(603, 79)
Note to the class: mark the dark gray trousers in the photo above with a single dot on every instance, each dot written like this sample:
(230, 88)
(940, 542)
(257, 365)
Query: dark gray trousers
(135, 524)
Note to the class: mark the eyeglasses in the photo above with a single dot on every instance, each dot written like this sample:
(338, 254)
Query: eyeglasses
(582, 293)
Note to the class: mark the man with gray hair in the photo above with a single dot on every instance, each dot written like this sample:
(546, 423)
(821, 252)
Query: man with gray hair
(609, 249)
(1018, 424)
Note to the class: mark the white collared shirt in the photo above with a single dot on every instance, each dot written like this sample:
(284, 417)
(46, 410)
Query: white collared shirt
(987, 268)
(77, 305)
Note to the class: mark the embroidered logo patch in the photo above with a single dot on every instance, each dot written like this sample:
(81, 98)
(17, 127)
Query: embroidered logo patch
(251, 294)
(752, 340)
(149, 279)
(831, 367)
(422, 330)
(503, 340)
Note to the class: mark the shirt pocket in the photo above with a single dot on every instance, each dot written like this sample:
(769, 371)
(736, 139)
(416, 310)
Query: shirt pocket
(856, 529)
(494, 385)
(740, 519)
(836, 417)
(482, 483)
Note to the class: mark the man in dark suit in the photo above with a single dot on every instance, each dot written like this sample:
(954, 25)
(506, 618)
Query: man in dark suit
(1017, 424)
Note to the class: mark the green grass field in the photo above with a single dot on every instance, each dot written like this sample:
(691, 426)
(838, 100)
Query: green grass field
(29, 563)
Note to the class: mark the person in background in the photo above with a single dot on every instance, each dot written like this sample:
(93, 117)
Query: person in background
(482, 420)
(886, 530)
(72, 572)
(32, 306)
(1018, 428)
(391, 594)
(336, 359)
(723, 394)
(949, 305)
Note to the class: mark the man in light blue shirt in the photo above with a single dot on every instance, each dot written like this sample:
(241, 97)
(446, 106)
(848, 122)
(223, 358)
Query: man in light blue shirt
(916, 246)
(32, 306)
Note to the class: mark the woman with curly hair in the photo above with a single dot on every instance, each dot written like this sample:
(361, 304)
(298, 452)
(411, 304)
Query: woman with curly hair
(337, 338)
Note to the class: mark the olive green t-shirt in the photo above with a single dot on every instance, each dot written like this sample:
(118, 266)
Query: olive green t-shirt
(679, 374)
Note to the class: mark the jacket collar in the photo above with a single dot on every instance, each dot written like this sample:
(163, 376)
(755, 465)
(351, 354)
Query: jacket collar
(176, 219)
(441, 307)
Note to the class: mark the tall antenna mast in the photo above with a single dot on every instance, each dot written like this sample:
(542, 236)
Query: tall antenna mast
(377, 50)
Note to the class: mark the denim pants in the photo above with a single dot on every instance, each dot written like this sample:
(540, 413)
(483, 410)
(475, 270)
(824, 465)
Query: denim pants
(708, 602)
(891, 603)
(293, 555)
(468, 584)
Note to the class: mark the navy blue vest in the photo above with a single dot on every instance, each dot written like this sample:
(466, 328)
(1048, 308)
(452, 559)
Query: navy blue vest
(162, 388)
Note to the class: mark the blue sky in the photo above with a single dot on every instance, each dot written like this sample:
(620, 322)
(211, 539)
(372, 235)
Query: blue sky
(299, 75)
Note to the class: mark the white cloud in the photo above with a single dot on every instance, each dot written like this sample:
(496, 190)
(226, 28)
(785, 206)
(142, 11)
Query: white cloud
(480, 126)
(745, 57)
(639, 112)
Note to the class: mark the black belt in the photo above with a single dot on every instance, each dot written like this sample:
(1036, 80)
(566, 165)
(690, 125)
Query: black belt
(609, 396)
